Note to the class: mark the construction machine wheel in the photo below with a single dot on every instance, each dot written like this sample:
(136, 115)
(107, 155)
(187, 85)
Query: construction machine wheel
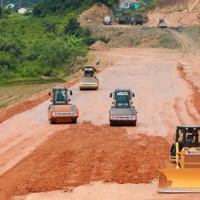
(52, 121)
(74, 121)
(112, 123)
(133, 123)
(118, 123)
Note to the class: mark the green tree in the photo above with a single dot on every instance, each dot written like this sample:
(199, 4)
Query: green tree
(1, 11)
(49, 7)
(6, 64)
(11, 45)
(50, 27)
(73, 27)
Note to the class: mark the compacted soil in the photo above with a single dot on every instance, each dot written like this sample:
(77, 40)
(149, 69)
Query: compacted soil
(91, 160)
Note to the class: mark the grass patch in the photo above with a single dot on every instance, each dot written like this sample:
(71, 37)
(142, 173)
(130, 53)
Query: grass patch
(29, 81)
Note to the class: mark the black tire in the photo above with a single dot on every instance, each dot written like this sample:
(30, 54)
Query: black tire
(134, 123)
(52, 121)
(112, 123)
(74, 120)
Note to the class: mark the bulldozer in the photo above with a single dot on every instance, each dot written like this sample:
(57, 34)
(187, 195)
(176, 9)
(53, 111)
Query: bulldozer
(184, 175)
(89, 81)
(162, 23)
(60, 111)
(122, 112)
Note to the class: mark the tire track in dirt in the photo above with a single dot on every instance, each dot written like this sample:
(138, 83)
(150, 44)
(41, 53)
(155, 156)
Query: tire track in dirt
(102, 152)
(189, 48)
(187, 43)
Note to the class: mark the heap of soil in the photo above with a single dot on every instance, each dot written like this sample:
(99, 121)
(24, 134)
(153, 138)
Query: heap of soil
(95, 14)
(99, 45)
(86, 153)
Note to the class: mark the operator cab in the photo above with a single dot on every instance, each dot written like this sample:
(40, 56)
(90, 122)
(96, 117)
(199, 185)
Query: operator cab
(122, 98)
(60, 96)
(161, 20)
(186, 136)
(89, 71)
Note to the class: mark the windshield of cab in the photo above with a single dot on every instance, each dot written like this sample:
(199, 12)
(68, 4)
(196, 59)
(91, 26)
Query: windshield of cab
(122, 99)
(88, 72)
(190, 137)
(107, 18)
(60, 96)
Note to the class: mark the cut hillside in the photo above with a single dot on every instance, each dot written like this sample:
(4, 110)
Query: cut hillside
(95, 14)
(179, 15)
(188, 5)
(176, 13)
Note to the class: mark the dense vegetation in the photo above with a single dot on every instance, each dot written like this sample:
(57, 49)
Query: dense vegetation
(19, 3)
(47, 43)
(46, 7)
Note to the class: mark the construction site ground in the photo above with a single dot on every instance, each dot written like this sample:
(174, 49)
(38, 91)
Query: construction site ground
(91, 160)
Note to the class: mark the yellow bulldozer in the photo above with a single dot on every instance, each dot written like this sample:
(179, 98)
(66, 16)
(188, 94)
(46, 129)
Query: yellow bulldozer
(185, 154)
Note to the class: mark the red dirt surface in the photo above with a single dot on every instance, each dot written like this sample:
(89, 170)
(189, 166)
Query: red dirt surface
(83, 154)
(72, 157)
(75, 155)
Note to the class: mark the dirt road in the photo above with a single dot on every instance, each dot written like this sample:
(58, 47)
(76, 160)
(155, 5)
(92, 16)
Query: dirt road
(91, 160)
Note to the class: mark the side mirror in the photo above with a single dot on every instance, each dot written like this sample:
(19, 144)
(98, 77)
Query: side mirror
(69, 100)
(83, 69)
(133, 95)
(49, 93)
(70, 92)
(110, 95)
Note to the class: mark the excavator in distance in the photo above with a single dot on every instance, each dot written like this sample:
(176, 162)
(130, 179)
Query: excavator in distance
(60, 111)
(185, 153)
(122, 112)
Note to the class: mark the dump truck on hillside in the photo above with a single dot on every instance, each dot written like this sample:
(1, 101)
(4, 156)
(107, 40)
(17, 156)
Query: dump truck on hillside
(107, 20)
(123, 18)
(137, 19)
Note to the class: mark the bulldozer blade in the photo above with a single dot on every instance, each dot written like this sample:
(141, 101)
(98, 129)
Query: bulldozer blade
(185, 180)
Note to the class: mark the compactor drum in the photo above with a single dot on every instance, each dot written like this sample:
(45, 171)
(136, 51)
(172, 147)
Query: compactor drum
(122, 112)
(185, 153)
(60, 111)
(89, 81)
